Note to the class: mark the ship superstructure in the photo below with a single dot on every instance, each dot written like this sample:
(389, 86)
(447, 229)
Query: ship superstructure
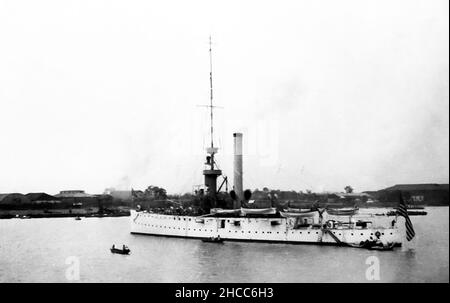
(238, 223)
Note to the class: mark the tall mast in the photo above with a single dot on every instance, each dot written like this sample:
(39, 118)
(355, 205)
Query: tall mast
(211, 173)
(211, 150)
(211, 91)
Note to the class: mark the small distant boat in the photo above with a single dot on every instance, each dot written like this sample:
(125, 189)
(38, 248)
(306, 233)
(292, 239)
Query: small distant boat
(410, 213)
(213, 240)
(417, 213)
(372, 245)
(384, 247)
(77, 218)
(123, 251)
(415, 207)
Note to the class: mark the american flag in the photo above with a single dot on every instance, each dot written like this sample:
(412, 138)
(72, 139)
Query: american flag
(403, 211)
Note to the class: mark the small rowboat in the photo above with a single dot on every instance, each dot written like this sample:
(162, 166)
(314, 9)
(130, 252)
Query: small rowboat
(123, 251)
(384, 247)
(373, 246)
(213, 240)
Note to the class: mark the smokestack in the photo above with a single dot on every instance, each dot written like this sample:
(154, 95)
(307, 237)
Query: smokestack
(238, 184)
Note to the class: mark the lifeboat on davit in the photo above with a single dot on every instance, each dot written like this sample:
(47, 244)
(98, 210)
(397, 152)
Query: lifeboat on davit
(259, 211)
(342, 211)
(298, 214)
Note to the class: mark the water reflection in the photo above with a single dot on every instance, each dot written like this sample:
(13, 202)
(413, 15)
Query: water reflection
(35, 250)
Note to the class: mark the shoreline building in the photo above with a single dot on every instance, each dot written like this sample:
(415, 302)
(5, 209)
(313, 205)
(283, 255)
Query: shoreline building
(427, 193)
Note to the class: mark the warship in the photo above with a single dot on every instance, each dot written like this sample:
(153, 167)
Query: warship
(236, 221)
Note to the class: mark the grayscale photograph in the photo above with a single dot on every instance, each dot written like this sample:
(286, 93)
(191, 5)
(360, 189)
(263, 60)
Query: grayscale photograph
(224, 142)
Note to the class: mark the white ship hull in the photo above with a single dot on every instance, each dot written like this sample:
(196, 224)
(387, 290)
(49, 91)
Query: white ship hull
(252, 229)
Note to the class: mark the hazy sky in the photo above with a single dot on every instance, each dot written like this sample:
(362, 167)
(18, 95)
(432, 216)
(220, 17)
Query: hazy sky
(97, 94)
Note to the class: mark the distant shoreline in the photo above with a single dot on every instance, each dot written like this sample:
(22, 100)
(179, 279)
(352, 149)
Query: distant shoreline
(63, 213)
(34, 216)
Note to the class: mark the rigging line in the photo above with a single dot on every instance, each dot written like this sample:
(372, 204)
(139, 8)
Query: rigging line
(217, 165)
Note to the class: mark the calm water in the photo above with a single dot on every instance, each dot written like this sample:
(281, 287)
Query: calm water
(36, 250)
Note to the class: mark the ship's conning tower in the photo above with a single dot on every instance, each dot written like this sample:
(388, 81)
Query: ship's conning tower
(211, 173)
(238, 184)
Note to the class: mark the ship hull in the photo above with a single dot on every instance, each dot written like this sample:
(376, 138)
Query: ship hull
(270, 230)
